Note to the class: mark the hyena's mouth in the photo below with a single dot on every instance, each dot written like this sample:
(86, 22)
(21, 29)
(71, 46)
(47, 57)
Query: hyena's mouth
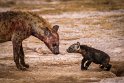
(55, 50)
(68, 51)
(56, 53)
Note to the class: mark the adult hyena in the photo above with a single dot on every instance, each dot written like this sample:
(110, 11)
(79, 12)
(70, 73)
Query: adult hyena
(16, 26)
(90, 55)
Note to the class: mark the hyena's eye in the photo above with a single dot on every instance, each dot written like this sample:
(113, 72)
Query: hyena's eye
(76, 47)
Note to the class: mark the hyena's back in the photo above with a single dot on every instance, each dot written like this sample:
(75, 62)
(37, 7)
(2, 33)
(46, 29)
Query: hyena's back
(13, 21)
(5, 26)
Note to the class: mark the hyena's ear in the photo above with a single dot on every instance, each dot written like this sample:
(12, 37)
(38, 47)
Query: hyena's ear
(46, 32)
(55, 28)
(78, 46)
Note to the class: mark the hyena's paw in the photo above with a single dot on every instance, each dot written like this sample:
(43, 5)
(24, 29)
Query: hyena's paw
(109, 67)
(83, 68)
(101, 66)
(26, 65)
(22, 68)
(86, 68)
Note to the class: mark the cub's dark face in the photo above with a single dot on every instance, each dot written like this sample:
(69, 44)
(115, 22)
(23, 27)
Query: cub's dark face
(74, 48)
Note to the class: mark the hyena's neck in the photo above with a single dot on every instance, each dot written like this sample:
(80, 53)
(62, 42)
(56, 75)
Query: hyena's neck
(38, 33)
(81, 51)
(39, 26)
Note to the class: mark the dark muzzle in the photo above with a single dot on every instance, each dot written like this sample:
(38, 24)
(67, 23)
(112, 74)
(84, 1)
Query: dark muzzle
(55, 50)
(67, 50)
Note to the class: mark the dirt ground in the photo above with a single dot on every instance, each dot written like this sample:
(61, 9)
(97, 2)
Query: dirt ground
(103, 30)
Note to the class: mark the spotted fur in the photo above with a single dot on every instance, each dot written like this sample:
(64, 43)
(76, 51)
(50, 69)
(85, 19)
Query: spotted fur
(16, 26)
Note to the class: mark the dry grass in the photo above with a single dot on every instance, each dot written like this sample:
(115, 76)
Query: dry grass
(7, 3)
(117, 68)
(64, 5)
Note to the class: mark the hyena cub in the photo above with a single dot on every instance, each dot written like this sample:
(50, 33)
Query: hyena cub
(90, 55)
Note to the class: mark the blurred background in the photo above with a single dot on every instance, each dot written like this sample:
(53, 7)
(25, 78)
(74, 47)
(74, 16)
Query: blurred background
(60, 6)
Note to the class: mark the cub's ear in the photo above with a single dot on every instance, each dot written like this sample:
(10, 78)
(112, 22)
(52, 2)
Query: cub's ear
(78, 43)
(55, 28)
(78, 46)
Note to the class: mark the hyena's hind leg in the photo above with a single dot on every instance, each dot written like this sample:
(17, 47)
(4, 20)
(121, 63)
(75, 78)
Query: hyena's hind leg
(101, 66)
(22, 60)
(106, 66)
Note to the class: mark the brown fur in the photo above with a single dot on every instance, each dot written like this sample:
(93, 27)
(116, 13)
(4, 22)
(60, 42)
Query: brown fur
(16, 26)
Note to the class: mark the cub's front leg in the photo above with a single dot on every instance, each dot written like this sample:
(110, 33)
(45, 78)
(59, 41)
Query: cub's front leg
(82, 64)
(88, 64)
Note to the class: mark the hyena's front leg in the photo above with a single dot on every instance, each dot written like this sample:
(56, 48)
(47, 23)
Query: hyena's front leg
(22, 59)
(16, 52)
(88, 64)
(82, 63)
(17, 42)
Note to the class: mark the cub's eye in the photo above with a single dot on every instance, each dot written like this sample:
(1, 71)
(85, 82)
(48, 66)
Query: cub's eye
(71, 49)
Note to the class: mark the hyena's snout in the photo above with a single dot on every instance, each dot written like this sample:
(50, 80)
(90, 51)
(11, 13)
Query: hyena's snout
(69, 50)
(55, 49)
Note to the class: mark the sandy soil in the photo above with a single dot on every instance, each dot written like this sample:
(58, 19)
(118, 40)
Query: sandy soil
(101, 30)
